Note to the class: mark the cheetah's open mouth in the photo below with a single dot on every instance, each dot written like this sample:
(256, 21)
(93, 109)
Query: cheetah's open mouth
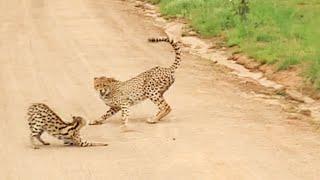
(102, 92)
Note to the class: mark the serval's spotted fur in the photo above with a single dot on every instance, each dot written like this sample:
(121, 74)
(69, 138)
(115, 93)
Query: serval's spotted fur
(42, 119)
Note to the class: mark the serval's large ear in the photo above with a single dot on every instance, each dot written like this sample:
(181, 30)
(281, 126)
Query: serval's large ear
(77, 118)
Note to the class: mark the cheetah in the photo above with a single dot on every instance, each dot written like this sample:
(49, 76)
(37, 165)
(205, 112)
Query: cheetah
(151, 84)
(41, 118)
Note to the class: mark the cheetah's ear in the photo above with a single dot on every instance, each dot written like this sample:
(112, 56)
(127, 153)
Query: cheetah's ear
(112, 79)
(95, 78)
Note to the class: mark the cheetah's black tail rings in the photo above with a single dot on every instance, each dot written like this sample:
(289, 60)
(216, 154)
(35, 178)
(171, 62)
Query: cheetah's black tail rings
(176, 48)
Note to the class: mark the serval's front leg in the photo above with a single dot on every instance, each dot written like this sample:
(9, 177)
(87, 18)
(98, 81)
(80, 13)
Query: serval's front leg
(103, 118)
(78, 141)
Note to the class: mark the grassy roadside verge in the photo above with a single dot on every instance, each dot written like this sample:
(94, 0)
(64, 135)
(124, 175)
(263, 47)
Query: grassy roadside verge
(284, 33)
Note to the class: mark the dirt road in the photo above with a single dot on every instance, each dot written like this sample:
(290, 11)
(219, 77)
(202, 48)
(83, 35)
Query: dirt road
(51, 50)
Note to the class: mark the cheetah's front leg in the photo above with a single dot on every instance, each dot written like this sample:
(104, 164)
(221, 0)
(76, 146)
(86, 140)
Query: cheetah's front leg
(124, 116)
(109, 113)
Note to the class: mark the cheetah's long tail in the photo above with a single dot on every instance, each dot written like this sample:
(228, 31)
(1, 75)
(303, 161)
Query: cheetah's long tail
(176, 48)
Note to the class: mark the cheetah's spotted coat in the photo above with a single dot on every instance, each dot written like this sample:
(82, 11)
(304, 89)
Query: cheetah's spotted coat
(151, 84)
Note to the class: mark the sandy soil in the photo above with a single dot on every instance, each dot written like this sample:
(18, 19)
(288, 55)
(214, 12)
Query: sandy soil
(51, 50)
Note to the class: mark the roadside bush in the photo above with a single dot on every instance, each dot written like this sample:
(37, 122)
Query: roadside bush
(284, 33)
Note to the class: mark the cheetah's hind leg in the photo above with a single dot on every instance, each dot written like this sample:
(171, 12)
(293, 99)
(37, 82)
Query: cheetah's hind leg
(164, 109)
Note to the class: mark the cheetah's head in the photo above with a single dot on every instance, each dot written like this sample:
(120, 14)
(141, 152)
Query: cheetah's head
(80, 120)
(102, 84)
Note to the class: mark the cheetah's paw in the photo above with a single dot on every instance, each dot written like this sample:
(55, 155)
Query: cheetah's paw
(125, 128)
(152, 121)
(35, 147)
(96, 122)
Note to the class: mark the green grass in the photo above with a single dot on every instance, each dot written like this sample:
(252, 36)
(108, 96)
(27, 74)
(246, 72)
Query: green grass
(281, 32)
(154, 1)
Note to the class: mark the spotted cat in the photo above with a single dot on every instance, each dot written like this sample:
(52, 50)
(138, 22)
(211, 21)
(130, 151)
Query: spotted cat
(41, 118)
(151, 84)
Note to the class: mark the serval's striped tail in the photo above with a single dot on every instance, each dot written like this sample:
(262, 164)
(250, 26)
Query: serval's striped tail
(176, 48)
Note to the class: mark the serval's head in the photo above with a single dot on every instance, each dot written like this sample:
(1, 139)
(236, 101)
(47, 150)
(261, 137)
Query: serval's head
(102, 84)
(79, 120)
